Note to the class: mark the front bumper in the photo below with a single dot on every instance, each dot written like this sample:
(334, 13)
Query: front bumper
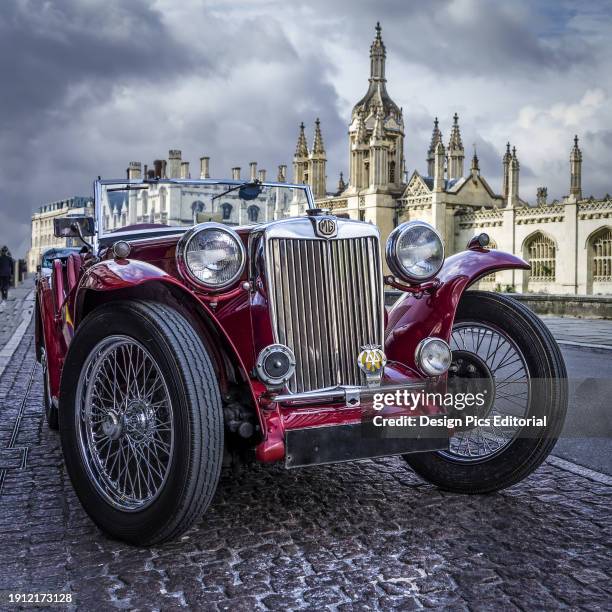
(350, 396)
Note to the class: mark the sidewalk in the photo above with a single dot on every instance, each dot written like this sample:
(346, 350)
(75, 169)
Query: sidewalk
(15, 316)
(590, 333)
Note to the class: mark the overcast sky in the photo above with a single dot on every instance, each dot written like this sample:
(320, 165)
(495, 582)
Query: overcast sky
(88, 85)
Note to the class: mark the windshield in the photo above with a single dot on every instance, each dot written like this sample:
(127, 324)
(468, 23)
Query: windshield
(122, 206)
(49, 256)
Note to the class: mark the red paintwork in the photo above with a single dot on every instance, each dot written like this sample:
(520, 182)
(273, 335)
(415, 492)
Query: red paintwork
(411, 319)
(242, 320)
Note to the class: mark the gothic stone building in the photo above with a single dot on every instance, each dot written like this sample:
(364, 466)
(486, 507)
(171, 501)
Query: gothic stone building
(567, 242)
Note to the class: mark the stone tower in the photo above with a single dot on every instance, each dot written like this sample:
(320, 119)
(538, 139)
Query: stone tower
(576, 171)
(364, 116)
(455, 151)
(506, 159)
(436, 137)
(316, 164)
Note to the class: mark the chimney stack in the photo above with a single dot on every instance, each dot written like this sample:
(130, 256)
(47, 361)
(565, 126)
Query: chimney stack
(236, 173)
(134, 170)
(261, 176)
(158, 168)
(174, 163)
(185, 170)
(204, 167)
(253, 167)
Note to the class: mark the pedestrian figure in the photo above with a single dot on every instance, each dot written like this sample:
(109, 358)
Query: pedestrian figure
(6, 271)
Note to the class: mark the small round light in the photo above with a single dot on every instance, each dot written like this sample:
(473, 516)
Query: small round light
(433, 356)
(415, 251)
(121, 249)
(212, 255)
(275, 365)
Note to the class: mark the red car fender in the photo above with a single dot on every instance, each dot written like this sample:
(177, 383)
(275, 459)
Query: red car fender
(411, 319)
(111, 275)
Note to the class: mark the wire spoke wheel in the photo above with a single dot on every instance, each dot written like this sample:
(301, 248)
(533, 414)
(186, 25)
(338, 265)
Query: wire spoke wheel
(490, 355)
(124, 423)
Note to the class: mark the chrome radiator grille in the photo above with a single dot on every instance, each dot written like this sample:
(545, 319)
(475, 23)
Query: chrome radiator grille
(326, 303)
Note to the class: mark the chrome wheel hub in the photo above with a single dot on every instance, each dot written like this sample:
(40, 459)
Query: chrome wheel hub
(111, 426)
(124, 421)
(486, 359)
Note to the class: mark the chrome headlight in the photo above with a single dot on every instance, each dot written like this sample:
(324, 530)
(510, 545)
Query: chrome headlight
(415, 251)
(211, 255)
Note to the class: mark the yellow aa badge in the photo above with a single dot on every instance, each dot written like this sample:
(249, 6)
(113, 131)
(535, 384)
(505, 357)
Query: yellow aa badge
(371, 362)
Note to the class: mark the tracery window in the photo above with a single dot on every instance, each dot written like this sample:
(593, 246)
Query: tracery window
(541, 252)
(253, 213)
(601, 254)
(226, 210)
(392, 172)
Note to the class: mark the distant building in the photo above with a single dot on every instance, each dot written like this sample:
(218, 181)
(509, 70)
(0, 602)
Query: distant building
(42, 226)
(179, 204)
(567, 242)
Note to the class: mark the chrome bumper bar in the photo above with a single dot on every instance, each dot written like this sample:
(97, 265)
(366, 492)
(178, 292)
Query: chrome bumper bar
(350, 395)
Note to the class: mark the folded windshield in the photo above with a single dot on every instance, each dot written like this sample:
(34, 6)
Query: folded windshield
(183, 204)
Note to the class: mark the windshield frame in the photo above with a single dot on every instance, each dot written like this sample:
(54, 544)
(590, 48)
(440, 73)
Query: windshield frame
(145, 233)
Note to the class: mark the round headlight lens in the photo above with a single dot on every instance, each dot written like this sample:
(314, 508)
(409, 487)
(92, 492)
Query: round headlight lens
(212, 255)
(415, 251)
(433, 356)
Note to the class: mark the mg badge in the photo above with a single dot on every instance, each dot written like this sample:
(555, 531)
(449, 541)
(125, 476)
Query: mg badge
(371, 362)
(326, 227)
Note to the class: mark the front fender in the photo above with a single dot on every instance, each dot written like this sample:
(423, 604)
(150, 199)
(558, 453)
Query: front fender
(411, 319)
(109, 276)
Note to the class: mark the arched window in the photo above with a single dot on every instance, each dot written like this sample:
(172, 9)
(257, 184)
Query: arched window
(162, 200)
(226, 211)
(541, 253)
(197, 207)
(392, 172)
(253, 213)
(601, 256)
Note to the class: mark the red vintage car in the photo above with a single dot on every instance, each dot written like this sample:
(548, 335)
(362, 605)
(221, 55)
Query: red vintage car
(211, 323)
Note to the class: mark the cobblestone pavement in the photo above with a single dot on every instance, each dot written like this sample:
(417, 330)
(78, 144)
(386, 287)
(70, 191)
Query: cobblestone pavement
(361, 536)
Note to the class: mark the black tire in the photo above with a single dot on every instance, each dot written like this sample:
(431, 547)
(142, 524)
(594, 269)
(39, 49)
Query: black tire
(545, 364)
(194, 468)
(51, 412)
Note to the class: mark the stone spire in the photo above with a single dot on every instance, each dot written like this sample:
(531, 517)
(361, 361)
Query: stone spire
(456, 154)
(300, 159)
(475, 169)
(378, 54)
(341, 184)
(436, 137)
(506, 165)
(317, 164)
(576, 171)
(301, 149)
(438, 174)
(318, 148)
(513, 180)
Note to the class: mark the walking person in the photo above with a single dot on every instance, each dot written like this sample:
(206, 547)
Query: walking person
(6, 271)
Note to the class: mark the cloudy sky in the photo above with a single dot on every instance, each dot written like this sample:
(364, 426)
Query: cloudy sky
(88, 85)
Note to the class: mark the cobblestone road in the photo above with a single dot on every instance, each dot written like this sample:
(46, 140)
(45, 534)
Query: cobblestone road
(360, 536)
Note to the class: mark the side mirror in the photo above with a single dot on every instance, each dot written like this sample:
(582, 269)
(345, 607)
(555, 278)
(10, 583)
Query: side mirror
(73, 227)
(250, 191)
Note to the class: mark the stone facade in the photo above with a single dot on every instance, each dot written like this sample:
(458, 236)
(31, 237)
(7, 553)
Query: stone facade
(568, 242)
(42, 226)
